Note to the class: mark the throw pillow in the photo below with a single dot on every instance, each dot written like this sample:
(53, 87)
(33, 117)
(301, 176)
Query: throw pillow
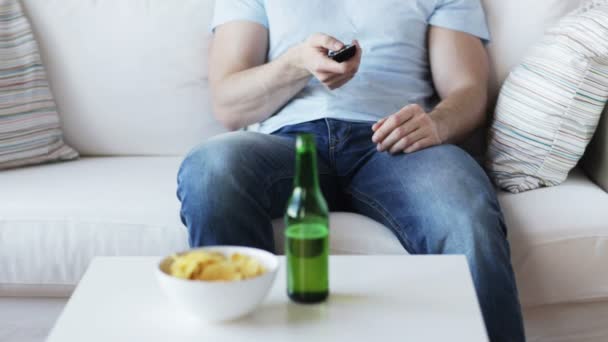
(550, 105)
(29, 124)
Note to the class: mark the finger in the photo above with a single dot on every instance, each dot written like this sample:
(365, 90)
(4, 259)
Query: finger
(400, 132)
(420, 145)
(393, 122)
(378, 124)
(355, 62)
(350, 67)
(399, 146)
(359, 53)
(415, 136)
(327, 77)
(324, 41)
(338, 83)
(328, 65)
(406, 141)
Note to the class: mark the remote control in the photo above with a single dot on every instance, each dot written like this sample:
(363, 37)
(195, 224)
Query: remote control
(343, 54)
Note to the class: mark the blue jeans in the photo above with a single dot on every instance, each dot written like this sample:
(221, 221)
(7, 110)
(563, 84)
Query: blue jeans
(436, 201)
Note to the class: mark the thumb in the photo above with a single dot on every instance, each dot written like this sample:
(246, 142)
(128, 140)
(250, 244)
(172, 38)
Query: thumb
(320, 40)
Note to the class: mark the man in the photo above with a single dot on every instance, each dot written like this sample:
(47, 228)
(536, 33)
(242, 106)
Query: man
(384, 122)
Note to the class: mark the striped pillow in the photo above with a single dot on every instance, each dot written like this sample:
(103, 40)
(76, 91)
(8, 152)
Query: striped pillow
(29, 124)
(550, 105)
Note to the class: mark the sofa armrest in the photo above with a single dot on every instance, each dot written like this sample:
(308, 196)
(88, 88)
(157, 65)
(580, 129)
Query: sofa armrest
(595, 161)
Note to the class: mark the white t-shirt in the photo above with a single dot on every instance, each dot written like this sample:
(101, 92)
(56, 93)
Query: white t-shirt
(395, 68)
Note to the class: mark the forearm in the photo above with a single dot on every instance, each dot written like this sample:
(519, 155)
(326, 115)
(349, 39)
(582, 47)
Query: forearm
(460, 113)
(460, 70)
(253, 95)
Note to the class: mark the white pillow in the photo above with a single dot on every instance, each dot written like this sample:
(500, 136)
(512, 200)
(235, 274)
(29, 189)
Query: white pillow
(550, 105)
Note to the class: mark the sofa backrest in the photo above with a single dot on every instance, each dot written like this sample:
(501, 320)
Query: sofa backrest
(130, 76)
(515, 25)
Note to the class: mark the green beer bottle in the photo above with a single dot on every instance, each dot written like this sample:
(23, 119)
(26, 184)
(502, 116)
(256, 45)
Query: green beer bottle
(307, 232)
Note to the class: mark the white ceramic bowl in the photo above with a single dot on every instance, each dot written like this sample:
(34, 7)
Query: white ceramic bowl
(221, 300)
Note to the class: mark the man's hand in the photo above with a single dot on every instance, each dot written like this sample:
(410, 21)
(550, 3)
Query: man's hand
(409, 130)
(460, 70)
(311, 55)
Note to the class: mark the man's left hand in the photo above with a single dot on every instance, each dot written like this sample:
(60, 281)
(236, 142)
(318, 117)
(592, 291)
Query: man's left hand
(409, 130)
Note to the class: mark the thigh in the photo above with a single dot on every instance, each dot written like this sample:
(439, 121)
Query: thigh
(427, 198)
(258, 165)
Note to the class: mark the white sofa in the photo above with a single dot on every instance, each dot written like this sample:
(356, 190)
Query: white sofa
(129, 77)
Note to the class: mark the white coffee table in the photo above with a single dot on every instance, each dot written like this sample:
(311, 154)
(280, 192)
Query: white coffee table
(373, 298)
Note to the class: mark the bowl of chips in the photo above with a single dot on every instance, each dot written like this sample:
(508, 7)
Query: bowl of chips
(218, 283)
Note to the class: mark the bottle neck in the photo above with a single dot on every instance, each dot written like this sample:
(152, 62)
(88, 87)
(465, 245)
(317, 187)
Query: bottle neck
(306, 175)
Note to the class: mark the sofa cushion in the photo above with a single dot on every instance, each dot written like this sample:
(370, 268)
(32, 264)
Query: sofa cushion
(55, 218)
(559, 241)
(30, 132)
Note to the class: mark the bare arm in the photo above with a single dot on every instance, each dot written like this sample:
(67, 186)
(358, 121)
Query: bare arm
(460, 69)
(245, 89)
(241, 82)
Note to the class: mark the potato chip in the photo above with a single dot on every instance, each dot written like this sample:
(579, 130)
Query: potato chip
(214, 266)
(251, 268)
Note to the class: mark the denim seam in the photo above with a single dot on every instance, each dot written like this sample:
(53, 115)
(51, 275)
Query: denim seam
(395, 227)
(349, 132)
(328, 125)
(356, 164)
(332, 159)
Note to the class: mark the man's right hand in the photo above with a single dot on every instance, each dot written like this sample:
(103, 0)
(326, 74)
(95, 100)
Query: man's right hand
(311, 55)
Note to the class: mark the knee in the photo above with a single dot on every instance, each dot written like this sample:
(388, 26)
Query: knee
(212, 162)
(208, 180)
(472, 228)
(200, 165)
(462, 231)
(452, 177)
(453, 166)
(461, 204)
(204, 176)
